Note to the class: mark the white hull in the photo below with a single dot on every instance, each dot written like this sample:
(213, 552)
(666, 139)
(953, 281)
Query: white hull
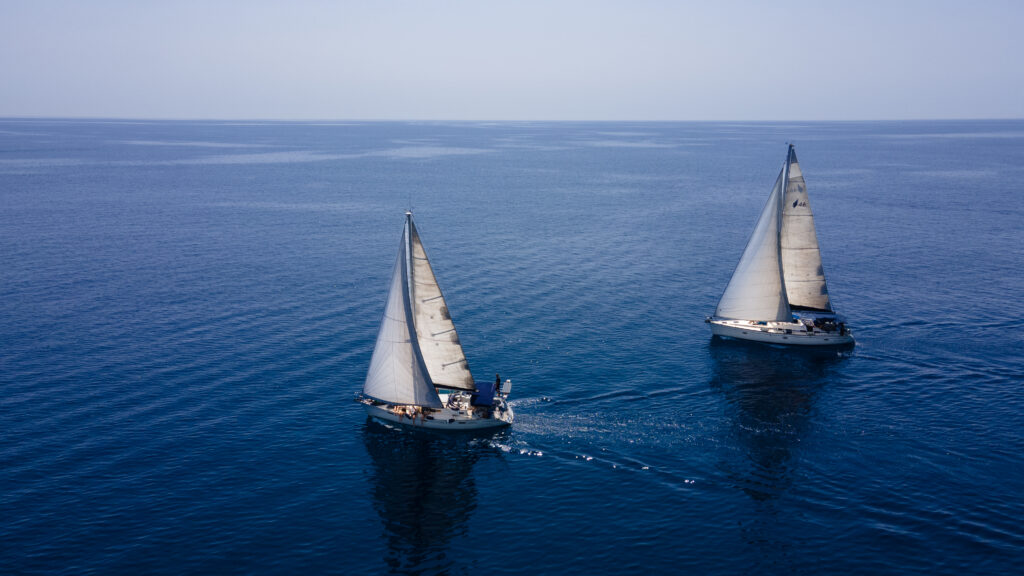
(786, 333)
(442, 419)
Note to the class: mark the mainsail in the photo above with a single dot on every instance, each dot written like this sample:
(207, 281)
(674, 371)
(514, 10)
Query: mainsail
(756, 290)
(801, 257)
(435, 331)
(417, 346)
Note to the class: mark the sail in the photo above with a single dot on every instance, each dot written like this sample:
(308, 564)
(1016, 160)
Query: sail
(397, 374)
(801, 257)
(756, 290)
(435, 331)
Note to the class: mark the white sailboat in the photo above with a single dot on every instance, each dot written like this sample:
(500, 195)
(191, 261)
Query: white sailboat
(778, 292)
(418, 373)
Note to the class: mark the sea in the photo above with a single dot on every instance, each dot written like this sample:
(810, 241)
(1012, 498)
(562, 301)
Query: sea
(188, 309)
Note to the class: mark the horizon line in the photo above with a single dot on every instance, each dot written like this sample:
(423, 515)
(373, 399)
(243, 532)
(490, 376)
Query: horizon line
(483, 120)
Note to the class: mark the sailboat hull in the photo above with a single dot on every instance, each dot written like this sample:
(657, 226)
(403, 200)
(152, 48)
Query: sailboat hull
(784, 333)
(443, 419)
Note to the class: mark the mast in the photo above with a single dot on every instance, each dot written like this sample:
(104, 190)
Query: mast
(778, 229)
(410, 295)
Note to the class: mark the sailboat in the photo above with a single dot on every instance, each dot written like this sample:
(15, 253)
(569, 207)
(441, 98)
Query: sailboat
(418, 373)
(778, 292)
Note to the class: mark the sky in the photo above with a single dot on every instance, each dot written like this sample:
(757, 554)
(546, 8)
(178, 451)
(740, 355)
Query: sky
(512, 60)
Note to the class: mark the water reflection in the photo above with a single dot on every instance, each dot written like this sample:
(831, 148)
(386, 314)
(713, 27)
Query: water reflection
(771, 393)
(424, 492)
(771, 396)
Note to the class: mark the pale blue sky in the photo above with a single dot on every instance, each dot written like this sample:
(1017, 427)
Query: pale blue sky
(513, 60)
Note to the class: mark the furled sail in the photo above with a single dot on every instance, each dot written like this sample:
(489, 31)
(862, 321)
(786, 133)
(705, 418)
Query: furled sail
(801, 257)
(438, 340)
(756, 290)
(397, 373)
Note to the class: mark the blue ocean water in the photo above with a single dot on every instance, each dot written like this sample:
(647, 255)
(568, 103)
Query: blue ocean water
(187, 310)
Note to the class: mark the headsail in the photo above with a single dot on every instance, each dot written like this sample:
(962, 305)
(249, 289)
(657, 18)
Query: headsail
(801, 257)
(397, 373)
(756, 290)
(438, 340)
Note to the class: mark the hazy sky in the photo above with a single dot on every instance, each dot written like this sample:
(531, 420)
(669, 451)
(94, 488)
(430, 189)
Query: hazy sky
(513, 60)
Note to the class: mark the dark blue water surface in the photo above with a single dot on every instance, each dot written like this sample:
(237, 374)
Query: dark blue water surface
(188, 309)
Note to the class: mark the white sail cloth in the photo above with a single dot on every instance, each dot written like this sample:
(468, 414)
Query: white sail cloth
(396, 373)
(417, 347)
(435, 331)
(755, 291)
(801, 256)
(781, 265)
